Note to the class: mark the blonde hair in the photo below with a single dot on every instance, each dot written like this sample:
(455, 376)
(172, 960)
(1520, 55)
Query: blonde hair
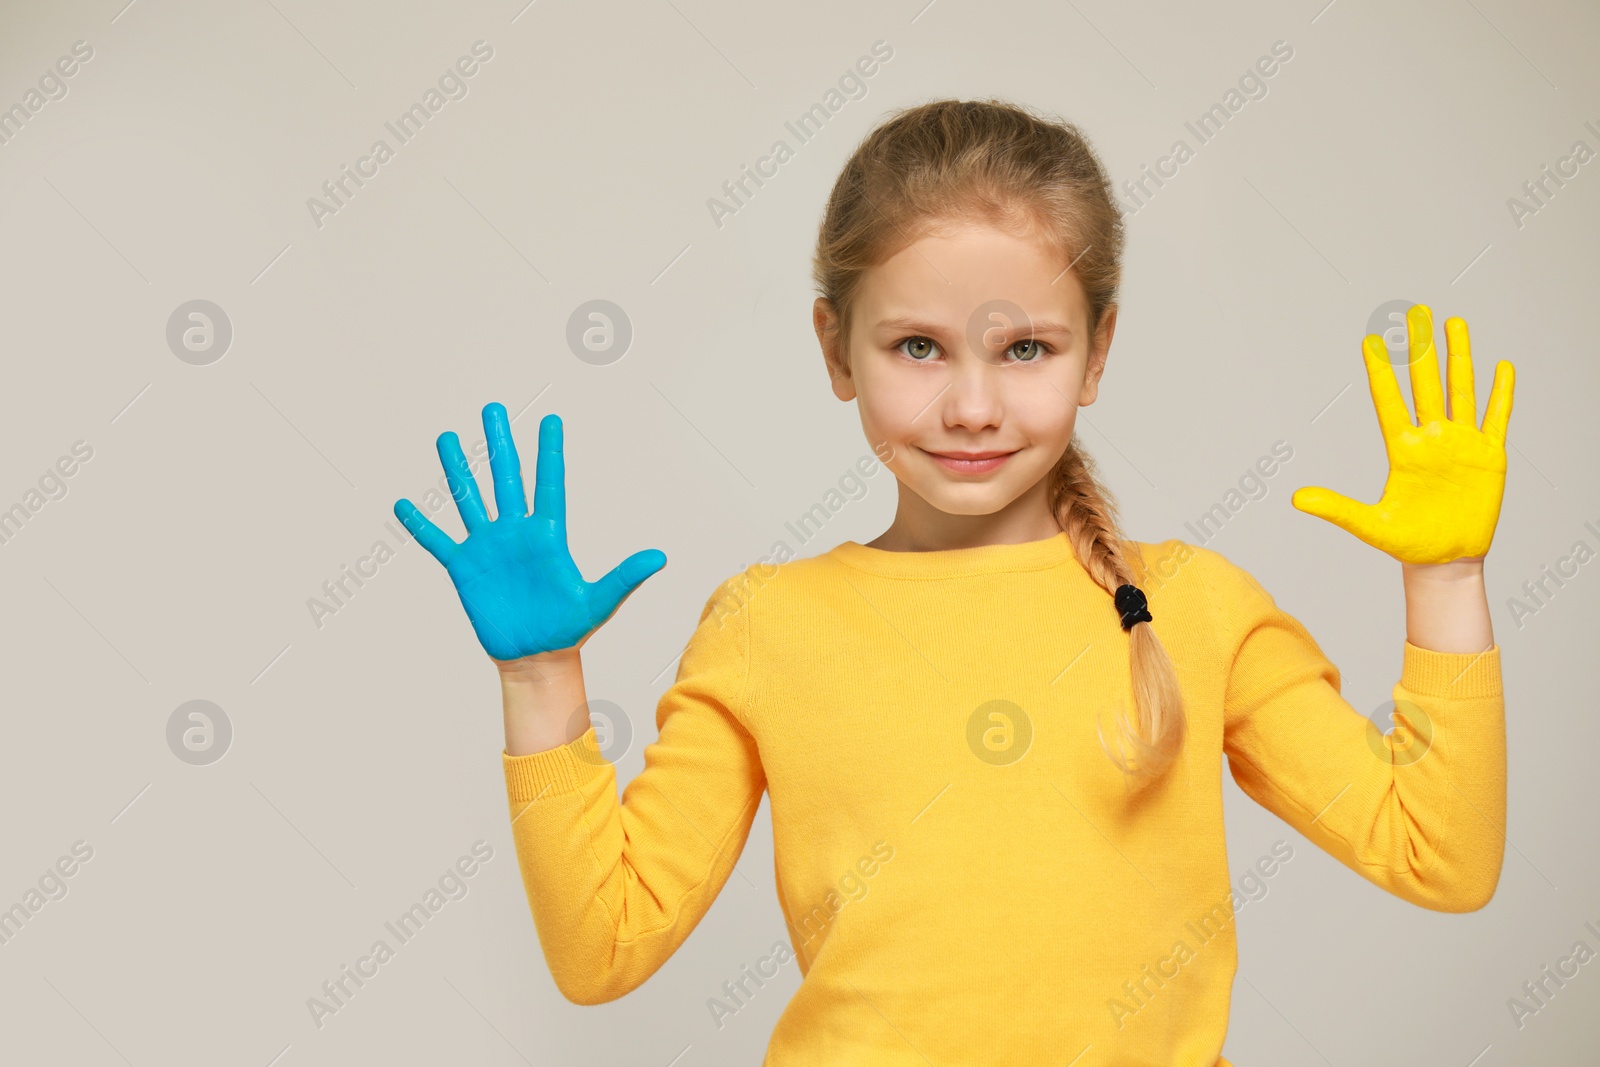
(1006, 165)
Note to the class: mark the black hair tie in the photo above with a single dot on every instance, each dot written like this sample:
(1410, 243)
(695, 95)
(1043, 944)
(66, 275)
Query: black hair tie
(1132, 606)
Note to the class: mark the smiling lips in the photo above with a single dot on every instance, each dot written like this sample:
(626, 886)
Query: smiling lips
(971, 462)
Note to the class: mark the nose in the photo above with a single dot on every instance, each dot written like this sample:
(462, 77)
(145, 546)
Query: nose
(972, 400)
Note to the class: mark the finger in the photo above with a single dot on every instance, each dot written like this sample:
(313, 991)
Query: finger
(623, 579)
(1498, 412)
(1458, 372)
(1426, 394)
(1347, 514)
(463, 486)
(504, 466)
(550, 474)
(1386, 398)
(429, 536)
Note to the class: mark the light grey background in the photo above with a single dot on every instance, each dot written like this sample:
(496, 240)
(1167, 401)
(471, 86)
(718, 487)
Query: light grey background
(365, 755)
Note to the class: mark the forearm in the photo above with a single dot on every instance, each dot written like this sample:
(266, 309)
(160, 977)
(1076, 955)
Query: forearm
(1447, 607)
(544, 701)
(615, 885)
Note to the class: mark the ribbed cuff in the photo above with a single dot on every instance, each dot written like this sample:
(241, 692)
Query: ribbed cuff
(555, 770)
(1451, 674)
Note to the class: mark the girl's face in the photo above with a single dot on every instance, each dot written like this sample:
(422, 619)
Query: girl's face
(969, 357)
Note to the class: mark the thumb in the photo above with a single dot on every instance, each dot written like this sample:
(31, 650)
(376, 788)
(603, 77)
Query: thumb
(620, 582)
(1347, 514)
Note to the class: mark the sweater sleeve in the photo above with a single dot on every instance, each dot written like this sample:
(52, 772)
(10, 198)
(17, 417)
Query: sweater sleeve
(1419, 811)
(614, 887)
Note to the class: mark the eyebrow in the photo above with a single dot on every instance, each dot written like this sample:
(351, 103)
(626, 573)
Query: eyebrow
(1038, 326)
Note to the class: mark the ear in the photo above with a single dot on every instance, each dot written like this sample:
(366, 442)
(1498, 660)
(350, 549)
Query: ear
(1099, 349)
(826, 322)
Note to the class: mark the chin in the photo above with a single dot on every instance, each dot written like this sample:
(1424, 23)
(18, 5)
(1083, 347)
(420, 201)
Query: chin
(986, 501)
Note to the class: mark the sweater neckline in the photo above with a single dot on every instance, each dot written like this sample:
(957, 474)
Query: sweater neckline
(956, 562)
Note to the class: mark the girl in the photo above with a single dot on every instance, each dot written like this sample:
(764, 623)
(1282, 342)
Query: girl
(993, 735)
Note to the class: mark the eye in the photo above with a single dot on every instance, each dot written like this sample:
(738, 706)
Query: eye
(1036, 349)
(925, 349)
(926, 343)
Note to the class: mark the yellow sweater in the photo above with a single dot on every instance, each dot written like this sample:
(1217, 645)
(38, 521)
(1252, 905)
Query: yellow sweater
(966, 877)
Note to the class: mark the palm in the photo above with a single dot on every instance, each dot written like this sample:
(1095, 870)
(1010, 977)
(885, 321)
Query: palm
(514, 574)
(1443, 469)
(521, 587)
(1446, 475)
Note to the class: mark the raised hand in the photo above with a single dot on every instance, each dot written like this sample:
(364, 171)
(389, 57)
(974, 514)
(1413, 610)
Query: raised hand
(522, 591)
(1446, 476)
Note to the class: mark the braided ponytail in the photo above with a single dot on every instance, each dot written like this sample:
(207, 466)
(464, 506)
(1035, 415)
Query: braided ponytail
(1088, 514)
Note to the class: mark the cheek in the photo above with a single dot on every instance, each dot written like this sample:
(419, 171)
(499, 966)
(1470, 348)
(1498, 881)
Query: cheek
(1044, 411)
(890, 404)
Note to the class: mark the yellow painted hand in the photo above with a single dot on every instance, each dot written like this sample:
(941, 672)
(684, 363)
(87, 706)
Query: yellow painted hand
(1446, 476)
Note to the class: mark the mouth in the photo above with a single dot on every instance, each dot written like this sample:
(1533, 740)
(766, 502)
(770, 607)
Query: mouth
(971, 462)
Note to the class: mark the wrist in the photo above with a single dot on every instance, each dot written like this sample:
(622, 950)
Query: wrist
(1465, 569)
(1447, 607)
(541, 668)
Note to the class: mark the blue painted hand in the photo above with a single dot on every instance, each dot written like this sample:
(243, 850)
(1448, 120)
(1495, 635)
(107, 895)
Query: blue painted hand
(514, 574)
